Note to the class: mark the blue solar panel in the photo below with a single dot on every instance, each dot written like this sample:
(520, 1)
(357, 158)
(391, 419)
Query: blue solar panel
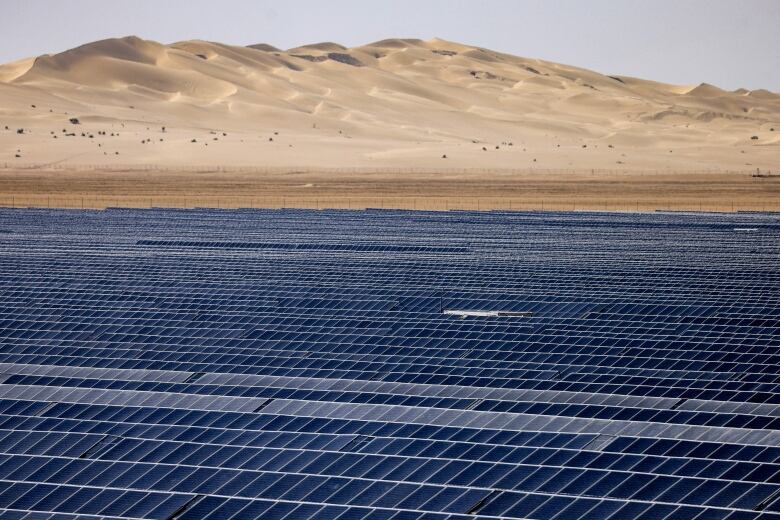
(242, 364)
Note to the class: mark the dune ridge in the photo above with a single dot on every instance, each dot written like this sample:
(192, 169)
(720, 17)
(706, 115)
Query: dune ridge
(396, 102)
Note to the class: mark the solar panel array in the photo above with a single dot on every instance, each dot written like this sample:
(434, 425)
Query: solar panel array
(238, 364)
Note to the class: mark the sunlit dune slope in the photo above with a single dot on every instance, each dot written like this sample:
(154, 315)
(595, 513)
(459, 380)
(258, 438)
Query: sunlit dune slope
(392, 103)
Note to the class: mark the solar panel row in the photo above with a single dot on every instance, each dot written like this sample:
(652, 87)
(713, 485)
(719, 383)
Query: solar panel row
(192, 364)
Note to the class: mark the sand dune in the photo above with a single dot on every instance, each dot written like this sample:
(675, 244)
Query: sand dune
(392, 103)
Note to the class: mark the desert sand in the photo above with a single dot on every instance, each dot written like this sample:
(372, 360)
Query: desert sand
(471, 121)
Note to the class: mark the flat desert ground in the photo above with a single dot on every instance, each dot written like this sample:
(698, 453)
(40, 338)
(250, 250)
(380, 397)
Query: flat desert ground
(398, 123)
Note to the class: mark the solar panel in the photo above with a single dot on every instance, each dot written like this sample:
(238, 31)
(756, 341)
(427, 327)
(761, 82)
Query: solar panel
(215, 364)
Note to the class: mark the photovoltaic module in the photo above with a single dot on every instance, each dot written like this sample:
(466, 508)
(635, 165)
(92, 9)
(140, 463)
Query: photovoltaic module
(239, 364)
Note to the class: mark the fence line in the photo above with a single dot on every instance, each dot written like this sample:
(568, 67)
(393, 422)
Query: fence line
(409, 203)
(132, 168)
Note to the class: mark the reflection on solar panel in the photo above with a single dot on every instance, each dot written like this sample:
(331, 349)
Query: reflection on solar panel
(213, 364)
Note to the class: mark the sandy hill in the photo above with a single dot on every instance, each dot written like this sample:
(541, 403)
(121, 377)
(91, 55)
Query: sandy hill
(392, 103)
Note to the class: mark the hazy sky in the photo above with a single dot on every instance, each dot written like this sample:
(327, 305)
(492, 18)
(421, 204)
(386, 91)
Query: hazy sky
(731, 43)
